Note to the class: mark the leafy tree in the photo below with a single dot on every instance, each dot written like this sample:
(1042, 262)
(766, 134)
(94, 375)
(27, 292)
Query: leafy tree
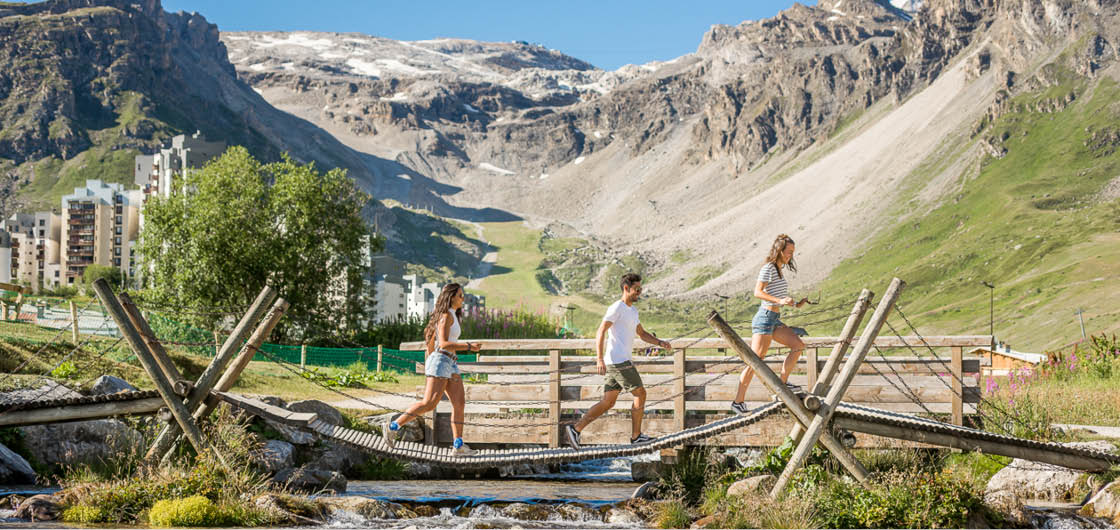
(95, 272)
(237, 224)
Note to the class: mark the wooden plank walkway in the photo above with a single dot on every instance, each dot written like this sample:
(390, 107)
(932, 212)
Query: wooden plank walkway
(857, 418)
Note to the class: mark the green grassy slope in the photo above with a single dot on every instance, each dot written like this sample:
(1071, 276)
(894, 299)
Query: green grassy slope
(1031, 222)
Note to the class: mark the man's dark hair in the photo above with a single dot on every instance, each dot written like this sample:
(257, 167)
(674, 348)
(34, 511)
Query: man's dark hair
(629, 279)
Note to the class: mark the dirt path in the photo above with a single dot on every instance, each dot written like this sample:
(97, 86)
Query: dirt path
(488, 259)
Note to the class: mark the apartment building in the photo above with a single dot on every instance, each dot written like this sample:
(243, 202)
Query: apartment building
(155, 174)
(100, 224)
(30, 252)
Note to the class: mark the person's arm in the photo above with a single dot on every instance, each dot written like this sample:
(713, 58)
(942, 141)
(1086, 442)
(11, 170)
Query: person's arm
(443, 330)
(760, 292)
(649, 338)
(600, 337)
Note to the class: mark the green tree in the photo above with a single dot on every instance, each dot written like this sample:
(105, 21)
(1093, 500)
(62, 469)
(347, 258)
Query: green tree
(237, 224)
(95, 272)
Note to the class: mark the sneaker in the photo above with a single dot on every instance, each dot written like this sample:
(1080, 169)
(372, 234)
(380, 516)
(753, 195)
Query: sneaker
(462, 449)
(739, 407)
(796, 389)
(388, 433)
(641, 439)
(573, 437)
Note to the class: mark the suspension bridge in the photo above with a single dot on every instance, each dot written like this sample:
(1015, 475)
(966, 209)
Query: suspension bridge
(833, 403)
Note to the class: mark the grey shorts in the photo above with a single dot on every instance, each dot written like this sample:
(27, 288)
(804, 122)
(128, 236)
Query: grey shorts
(440, 365)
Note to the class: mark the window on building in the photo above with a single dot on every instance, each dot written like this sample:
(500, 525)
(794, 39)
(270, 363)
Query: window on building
(118, 230)
(118, 219)
(42, 222)
(42, 233)
(56, 274)
(117, 240)
(117, 262)
(70, 279)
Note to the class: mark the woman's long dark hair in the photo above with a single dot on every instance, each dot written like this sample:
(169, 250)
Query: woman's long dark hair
(776, 250)
(443, 305)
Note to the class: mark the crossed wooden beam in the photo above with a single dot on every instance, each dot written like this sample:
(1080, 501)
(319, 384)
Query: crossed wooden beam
(190, 402)
(814, 412)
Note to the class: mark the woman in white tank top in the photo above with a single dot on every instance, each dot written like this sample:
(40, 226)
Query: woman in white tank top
(441, 367)
(767, 326)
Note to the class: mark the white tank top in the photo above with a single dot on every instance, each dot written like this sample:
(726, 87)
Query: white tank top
(453, 334)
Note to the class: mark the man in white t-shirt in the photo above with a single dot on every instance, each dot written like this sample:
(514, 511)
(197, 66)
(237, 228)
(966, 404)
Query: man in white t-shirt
(617, 330)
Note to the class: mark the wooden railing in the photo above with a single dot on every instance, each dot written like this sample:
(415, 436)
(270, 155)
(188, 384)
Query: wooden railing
(700, 377)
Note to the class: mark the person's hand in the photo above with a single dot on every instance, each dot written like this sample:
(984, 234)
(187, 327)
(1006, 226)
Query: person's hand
(601, 366)
(475, 346)
(786, 301)
(665, 345)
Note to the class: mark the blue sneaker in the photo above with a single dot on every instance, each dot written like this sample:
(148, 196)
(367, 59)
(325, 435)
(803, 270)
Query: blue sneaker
(389, 430)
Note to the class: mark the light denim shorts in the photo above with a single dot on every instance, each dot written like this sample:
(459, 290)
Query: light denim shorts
(765, 321)
(440, 365)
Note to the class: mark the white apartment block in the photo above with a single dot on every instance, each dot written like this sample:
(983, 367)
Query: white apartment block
(156, 173)
(389, 300)
(100, 225)
(29, 251)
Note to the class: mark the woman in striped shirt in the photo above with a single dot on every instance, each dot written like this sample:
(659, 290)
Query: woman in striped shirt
(773, 290)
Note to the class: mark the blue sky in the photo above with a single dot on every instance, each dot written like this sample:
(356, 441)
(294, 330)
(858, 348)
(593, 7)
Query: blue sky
(605, 33)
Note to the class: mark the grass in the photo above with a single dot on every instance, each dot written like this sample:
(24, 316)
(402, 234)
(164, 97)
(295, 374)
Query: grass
(1027, 222)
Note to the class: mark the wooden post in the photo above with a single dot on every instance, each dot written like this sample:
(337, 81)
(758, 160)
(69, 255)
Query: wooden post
(795, 406)
(263, 329)
(166, 439)
(380, 353)
(178, 411)
(217, 341)
(811, 365)
(823, 416)
(958, 396)
(150, 339)
(832, 365)
(74, 320)
(4, 308)
(554, 398)
(303, 356)
(678, 389)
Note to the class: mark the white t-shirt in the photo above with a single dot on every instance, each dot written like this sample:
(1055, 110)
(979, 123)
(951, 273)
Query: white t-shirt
(620, 336)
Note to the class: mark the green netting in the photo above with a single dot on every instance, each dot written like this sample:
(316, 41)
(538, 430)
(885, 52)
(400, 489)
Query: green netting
(322, 356)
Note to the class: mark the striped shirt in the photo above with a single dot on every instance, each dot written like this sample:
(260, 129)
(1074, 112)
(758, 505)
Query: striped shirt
(776, 285)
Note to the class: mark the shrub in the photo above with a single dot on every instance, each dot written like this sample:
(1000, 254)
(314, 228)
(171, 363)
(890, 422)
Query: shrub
(83, 513)
(65, 370)
(673, 514)
(686, 479)
(898, 500)
(191, 511)
(381, 469)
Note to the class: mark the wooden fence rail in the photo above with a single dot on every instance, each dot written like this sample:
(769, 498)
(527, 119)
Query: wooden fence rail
(546, 388)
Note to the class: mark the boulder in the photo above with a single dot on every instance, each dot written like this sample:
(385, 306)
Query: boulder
(528, 512)
(338, 457)
(292, 509)
(108, 384)
(1027, 480)
(311, 480)
(84, 442)
(645, 471)
(275, 455)
(269, 400)
(645, 491)
(412, 431)
(370, 508)
(704, 522)
(622, 516)
(1105, 504)
(14, 469)
(325, 412)
(750, 485)
(39, 508)
(291, 434)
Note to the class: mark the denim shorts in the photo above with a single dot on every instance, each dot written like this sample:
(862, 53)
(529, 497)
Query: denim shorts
(765, 321)
(440, 365)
